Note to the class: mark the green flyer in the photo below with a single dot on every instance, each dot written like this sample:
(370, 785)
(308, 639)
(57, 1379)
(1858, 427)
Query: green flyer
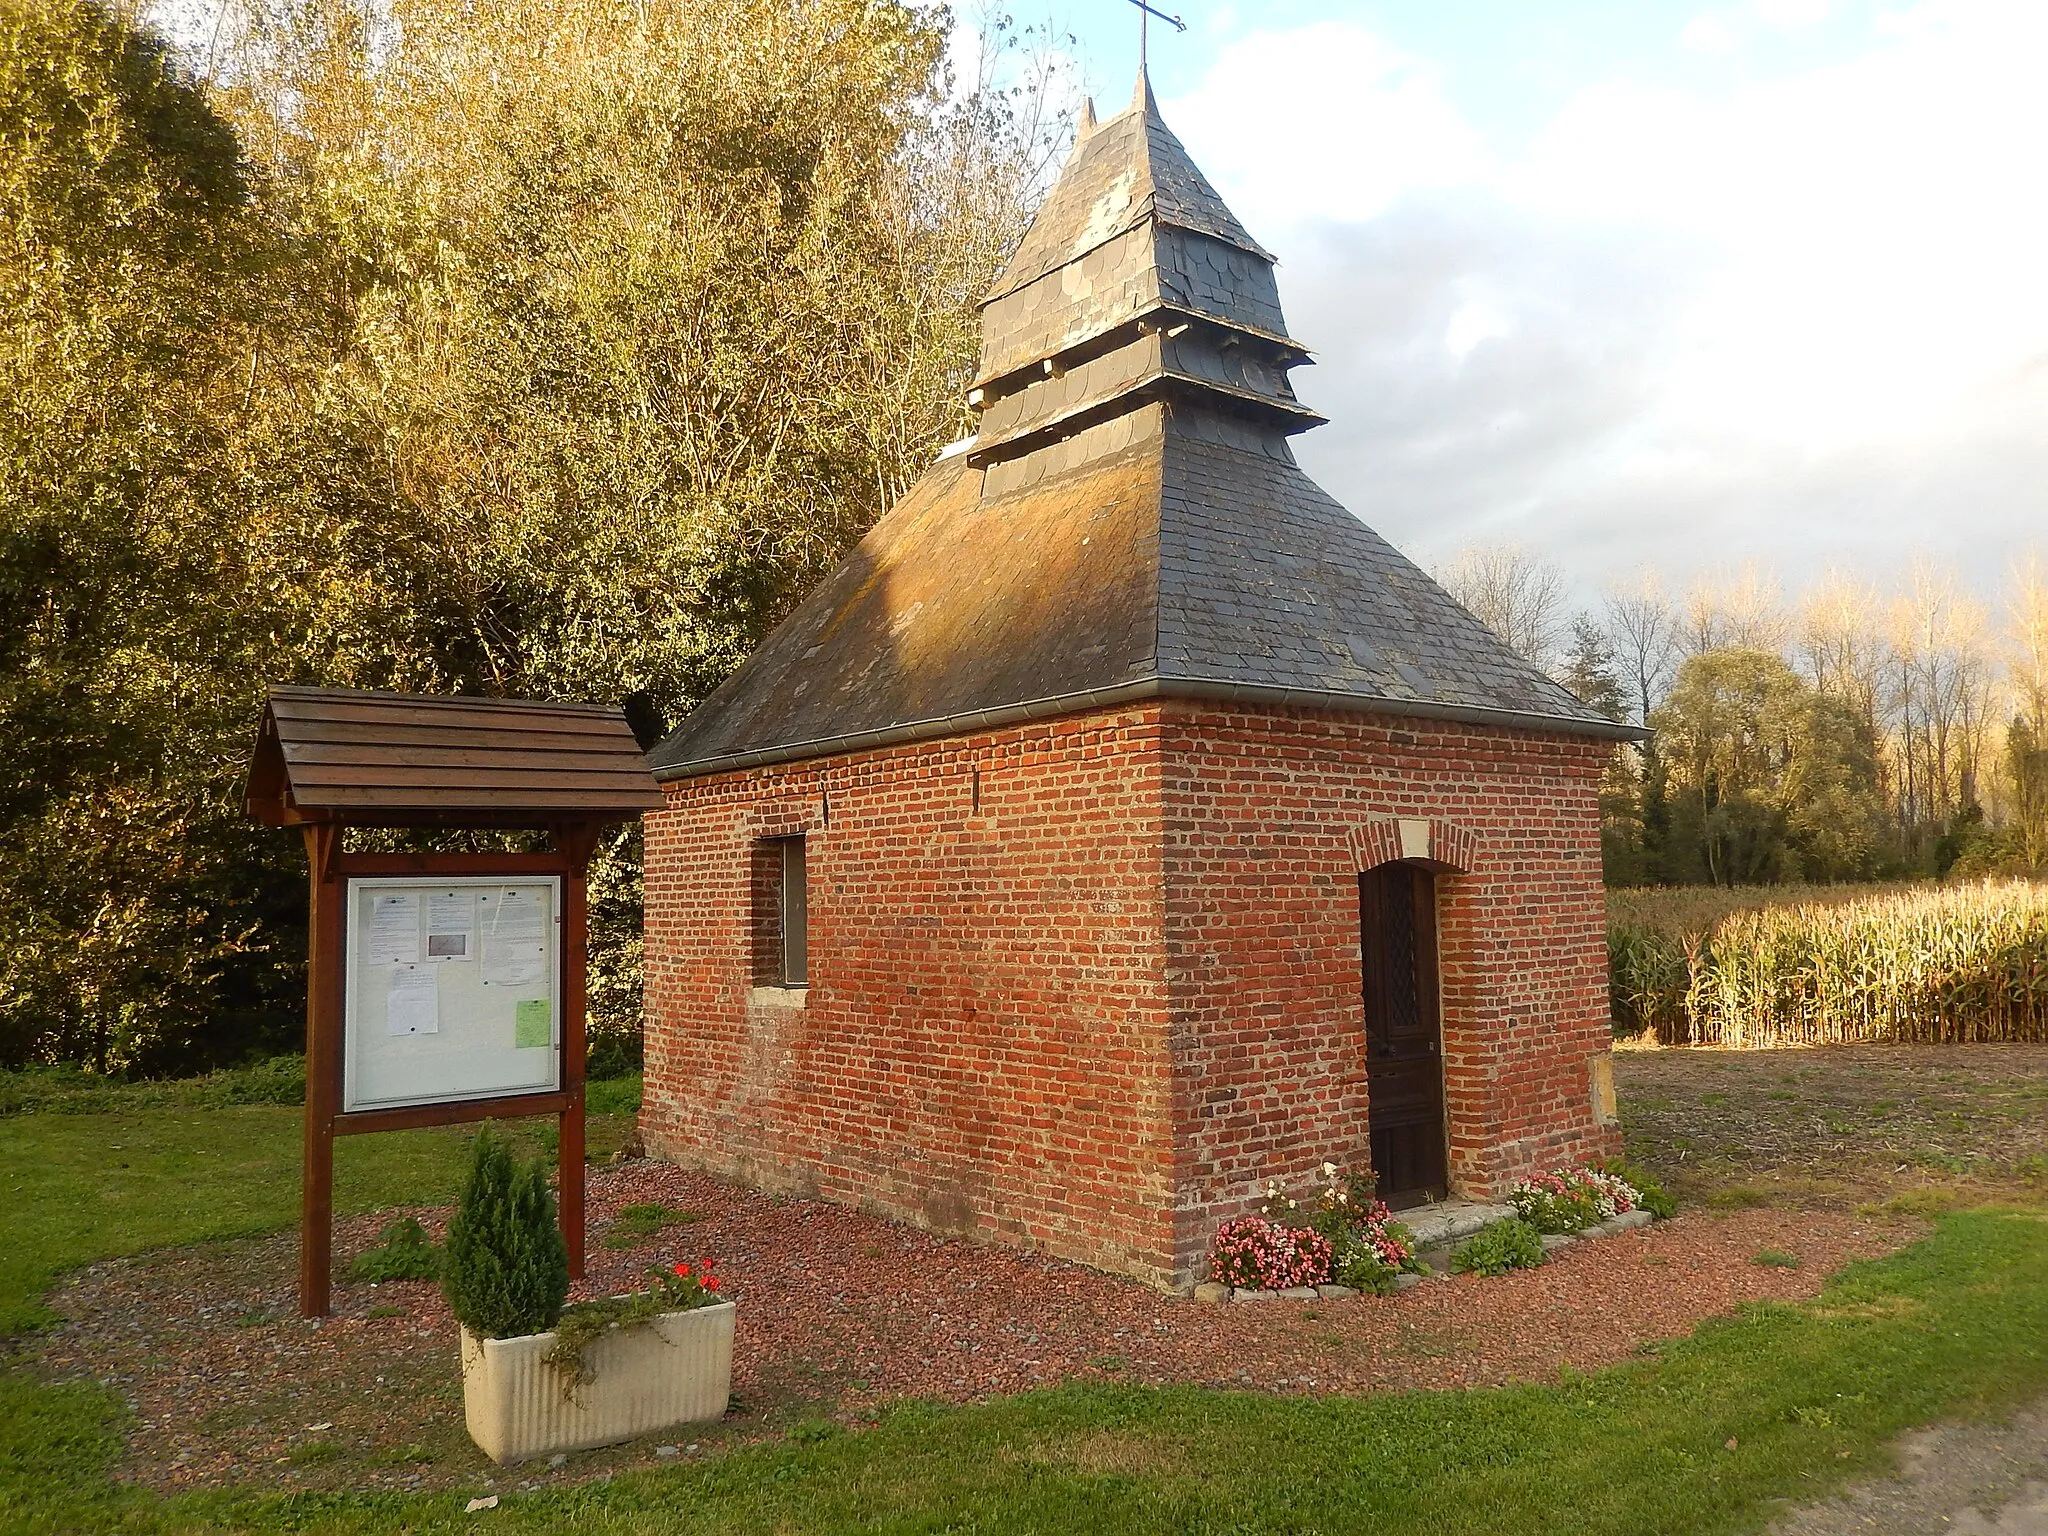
(531, 1025)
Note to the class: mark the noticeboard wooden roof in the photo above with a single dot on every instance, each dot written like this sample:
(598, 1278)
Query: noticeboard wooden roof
(405, 759)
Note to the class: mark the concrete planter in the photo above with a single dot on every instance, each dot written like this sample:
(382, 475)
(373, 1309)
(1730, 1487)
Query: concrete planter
(672, 1370)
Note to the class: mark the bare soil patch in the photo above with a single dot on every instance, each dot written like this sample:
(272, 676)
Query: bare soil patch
(1840, 1126)
(1988, 1479)
(839, 1313)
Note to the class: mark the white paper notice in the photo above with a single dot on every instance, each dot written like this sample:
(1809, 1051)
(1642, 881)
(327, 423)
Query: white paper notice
(413, 1005)
(451, 925)
(394, 936)
(515, 939)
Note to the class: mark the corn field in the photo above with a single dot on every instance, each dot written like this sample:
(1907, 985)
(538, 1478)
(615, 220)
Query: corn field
(1925, 963)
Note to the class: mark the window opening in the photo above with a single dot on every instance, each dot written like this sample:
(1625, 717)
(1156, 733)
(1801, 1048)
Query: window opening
(795, 915)
(781, 938)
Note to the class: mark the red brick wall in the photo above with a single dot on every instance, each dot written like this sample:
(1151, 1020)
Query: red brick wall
(1266, 813)
(1096, 1016)
(982, 1047)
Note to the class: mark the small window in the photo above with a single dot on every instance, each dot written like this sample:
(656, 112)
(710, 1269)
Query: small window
(781, 913)
(796, 910)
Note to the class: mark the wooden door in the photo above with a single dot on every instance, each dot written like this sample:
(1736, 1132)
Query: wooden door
(1403, 1031)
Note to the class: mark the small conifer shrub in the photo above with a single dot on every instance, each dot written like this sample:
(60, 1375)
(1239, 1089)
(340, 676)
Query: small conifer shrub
(505, 1269)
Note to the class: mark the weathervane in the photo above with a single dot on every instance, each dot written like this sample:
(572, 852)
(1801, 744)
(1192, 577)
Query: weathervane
(1144, 11)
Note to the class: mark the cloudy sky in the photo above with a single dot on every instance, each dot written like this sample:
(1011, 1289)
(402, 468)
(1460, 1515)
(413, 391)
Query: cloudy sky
(1644, 284)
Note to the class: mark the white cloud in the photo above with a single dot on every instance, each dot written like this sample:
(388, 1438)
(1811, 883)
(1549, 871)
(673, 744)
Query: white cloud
(1878, 262)
(1328, 118)
(1734, 27)
(1477, 319)
(1798, 318)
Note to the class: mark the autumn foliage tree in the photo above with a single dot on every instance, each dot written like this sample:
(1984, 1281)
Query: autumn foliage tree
(375, 347)
(136, 271)
(1772, 779)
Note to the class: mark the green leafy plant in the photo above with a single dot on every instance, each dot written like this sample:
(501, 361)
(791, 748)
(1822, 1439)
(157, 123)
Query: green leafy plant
(1366, 1248)
(678, 1288)
(1363, 1269)
(505, 1271)
(403, 1252)
(1776, 1258)
(1499, 1248)
(1572, 1199)
(1651, 1196)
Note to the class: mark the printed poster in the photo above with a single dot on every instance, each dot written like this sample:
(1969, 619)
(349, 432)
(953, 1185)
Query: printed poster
(394, 936)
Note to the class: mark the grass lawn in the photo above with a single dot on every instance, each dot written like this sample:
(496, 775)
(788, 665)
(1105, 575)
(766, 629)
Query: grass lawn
(90, 1178)
(1706, 1435)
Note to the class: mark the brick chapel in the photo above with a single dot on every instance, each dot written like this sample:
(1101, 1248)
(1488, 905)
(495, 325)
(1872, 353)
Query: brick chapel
(1124, 823)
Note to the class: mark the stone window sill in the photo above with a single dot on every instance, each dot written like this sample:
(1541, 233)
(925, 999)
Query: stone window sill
(777, 997)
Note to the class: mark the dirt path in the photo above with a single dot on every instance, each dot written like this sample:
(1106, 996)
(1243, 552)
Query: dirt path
(1842, 1125)
(1981, 1479)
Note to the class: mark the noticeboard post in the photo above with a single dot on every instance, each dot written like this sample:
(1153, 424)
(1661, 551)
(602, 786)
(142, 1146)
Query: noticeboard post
(442, 987)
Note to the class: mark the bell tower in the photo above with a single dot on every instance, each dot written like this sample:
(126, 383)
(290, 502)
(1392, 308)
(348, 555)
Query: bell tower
(1135, 284)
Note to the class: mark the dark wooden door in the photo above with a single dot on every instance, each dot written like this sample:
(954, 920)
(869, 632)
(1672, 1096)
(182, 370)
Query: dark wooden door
(1403, 1031)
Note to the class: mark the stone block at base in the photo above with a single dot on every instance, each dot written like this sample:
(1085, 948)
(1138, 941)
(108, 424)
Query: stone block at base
(1556, 1240)
(1212, 1291)
(1447, 1222)
(1336, 1292)
(675, 1369)
(1627, 1221)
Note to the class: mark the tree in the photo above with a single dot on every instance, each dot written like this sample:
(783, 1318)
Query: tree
(1841, 641)
(1588, 672)
(1777, 781)
(1513, 593)
(553, 357)
(1642, 635)
(135, 269)
(2026, 745)
(1743, 613)
(2027, 647)
(1942, 686)
(648, 313)
(2026, 753)
(1589, 669)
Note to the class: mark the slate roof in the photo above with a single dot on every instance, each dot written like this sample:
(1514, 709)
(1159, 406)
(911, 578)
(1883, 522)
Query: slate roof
(1131, 229)
(1131, 524)
(1128, 171)
(939, 612)
(1266, 581)
(1185, 564)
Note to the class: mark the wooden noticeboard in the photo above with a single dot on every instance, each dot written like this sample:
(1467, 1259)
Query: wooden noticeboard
(452, 989)
(442, 987)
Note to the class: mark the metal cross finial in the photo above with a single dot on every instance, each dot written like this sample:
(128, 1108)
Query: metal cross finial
(1144, 11)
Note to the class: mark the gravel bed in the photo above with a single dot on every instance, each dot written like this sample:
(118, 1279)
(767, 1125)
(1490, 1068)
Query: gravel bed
(840, 1312)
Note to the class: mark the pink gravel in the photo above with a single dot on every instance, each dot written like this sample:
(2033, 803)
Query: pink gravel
(840, 1312)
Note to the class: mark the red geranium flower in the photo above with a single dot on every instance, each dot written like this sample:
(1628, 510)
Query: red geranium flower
(683, 1271)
